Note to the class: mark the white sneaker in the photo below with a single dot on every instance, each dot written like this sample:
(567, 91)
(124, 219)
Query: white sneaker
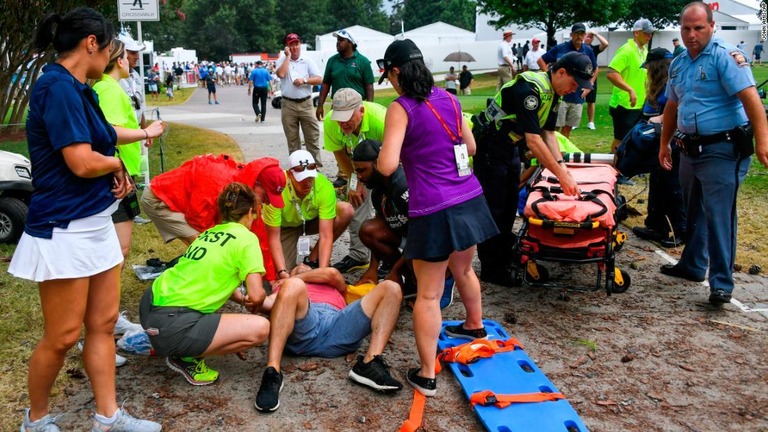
(123, 325)
(591, 125)
(119, 360)
(125, 423)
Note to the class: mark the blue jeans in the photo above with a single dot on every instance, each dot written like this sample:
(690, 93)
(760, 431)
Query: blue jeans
(710, 183)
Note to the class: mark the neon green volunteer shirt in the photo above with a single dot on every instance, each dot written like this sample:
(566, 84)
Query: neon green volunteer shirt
(211, 269)
(117, 108)
(627, 63)
(319, 202)
(372, 127)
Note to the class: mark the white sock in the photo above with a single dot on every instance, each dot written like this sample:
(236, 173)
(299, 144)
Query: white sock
(106, 420)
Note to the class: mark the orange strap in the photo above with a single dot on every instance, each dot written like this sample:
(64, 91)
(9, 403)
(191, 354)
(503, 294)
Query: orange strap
(471, 352)
(417, 413)
(488, 397)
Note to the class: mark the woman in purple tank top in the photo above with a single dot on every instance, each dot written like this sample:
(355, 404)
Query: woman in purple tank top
(447, 213)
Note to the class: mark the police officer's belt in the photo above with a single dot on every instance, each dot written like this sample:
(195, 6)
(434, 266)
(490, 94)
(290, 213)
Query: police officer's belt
(704, 140)
(296, 100)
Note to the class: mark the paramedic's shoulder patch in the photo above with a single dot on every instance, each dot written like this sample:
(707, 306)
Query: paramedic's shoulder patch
(531, 103)
(739, 58)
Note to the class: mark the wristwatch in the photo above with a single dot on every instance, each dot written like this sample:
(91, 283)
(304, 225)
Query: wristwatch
(306, 80)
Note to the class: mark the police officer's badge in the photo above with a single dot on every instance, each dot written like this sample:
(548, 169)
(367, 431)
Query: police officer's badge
(531, 103)
(739, 58)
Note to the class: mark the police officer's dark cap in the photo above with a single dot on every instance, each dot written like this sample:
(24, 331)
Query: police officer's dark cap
(366, 151)
(398, 53)
(577, 65)
(579, 28)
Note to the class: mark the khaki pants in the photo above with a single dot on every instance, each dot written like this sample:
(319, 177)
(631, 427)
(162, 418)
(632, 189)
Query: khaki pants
(289, 236)
(505, 76)
(301, 114)
(357, 249)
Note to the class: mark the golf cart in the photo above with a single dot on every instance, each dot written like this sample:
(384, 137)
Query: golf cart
(278, 97)
(15, 190)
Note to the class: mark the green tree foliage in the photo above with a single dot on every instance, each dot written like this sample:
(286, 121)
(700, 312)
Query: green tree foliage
(661, 13)
(367, 13)
(217, 29)
(418, 13)
(169, 31)
(553, 15)
(19, 64)
(305, 18)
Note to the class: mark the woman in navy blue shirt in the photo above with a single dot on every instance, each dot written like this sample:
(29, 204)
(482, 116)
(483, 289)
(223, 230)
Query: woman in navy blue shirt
(69, 245)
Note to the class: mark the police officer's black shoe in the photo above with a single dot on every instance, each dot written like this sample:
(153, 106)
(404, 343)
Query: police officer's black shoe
(719, 297)
(502, 278)
(672, 242)
(648, 233)
(675, 271)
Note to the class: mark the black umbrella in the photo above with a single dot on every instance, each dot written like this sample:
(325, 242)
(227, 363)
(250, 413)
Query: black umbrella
(459, 56)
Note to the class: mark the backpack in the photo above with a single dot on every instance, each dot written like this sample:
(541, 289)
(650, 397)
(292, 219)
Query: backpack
(638, 152)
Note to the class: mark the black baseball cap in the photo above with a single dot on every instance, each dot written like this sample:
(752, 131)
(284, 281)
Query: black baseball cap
(577, 65)
(657, 54)
(366, 151)
(398, 53)
(579, 27)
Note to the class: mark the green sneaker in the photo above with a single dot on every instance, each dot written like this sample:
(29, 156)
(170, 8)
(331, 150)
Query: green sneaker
(195, 371)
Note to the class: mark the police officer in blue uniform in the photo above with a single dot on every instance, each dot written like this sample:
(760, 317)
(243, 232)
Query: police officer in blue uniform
(714, 103)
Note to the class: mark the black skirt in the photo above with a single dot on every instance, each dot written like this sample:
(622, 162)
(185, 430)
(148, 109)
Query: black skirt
(434, 237)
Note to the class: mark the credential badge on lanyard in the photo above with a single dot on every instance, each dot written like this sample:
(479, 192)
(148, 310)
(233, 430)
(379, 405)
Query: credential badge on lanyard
(460, 152)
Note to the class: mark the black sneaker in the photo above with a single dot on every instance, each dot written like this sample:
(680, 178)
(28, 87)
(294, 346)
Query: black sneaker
(340, 182)
(719, 297)
(458, 331)
(348, 264)
(313, 264)
(425, 386)
(268, 396)
(374, 374)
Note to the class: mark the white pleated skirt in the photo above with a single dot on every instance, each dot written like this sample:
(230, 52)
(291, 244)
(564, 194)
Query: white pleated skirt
(87, 247)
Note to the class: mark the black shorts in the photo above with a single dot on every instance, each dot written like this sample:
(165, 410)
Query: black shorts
(177, 331)
(121, 214)
(592, 96)
(624, 120)
(434, 237)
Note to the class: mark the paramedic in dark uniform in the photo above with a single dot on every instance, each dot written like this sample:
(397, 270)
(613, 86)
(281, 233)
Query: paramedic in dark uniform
(524, 110)
(711, 94)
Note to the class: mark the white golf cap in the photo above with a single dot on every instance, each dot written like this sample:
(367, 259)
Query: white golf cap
(346, 35)
(130, 44)
(302, 158)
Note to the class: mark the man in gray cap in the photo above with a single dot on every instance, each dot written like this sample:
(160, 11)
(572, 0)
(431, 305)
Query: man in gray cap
(628, 79)
(351, 121)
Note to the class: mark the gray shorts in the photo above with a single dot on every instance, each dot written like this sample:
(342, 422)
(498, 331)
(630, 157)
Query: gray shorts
(329, 332)
(169, 224)
(177, 331)
(569, 114)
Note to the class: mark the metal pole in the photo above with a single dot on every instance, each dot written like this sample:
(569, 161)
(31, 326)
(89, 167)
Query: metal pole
(144, 149)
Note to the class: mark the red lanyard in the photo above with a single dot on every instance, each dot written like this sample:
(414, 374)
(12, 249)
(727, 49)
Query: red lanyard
(442, 122)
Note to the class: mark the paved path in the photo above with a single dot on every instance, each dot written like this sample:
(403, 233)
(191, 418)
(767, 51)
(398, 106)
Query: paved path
(234, 117)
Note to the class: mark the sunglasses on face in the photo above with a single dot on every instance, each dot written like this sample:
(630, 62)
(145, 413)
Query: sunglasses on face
(303, 167)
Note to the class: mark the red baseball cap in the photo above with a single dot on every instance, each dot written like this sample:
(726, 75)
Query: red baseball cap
(291, 38)
(272, 179)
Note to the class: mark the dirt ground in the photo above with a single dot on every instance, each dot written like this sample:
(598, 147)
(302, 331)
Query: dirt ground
(656, 358)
